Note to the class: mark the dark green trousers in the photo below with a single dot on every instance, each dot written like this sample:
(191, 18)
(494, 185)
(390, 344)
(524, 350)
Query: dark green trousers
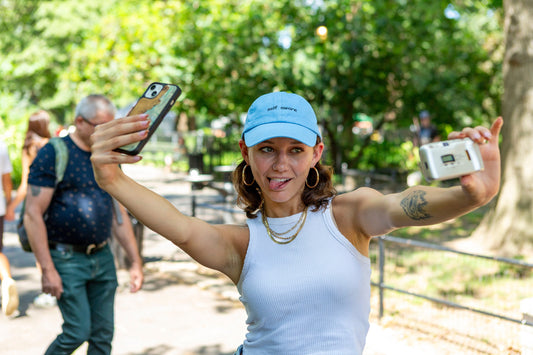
(87, 303)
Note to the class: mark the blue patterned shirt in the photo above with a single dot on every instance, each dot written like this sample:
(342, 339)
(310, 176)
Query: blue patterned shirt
(80, 211)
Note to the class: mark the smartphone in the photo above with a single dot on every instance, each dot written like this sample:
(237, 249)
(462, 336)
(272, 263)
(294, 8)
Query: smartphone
(156, 102)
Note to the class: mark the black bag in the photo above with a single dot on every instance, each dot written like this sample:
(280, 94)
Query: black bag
(61, 165)
(23, 236)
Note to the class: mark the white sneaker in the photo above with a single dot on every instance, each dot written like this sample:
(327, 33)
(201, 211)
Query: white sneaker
(45, 300)
(10, 297)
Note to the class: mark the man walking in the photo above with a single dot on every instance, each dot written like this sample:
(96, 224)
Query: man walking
(71, 241)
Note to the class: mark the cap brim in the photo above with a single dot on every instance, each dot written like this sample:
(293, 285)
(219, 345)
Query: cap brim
(279, 130)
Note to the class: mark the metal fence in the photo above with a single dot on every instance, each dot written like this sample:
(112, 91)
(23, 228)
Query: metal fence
(432, 285)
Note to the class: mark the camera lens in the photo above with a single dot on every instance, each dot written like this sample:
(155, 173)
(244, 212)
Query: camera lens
(154, 93)
(152, 87)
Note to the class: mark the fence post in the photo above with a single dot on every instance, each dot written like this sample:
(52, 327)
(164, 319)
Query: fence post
(193, 204)
(381, 274)
(526, 333)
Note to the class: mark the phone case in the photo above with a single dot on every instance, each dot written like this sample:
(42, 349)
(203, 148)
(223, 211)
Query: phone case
(156, 102)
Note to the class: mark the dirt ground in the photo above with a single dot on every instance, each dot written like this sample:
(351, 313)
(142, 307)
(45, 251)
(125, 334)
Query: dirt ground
(185, 309)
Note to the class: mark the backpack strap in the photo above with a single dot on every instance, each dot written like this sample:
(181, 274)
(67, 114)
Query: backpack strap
(116, 209)
(61, 157)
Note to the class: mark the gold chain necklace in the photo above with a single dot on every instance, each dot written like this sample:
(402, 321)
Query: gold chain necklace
(278, 237)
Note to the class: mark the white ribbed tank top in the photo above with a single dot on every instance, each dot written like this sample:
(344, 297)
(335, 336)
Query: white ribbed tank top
(308, 297)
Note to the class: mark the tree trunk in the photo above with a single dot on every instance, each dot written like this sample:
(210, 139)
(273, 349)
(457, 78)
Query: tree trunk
(507, 228)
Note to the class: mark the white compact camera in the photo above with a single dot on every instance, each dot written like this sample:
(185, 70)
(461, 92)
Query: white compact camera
(450, 159)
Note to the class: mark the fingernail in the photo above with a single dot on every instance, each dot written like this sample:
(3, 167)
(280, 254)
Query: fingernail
(476, 135)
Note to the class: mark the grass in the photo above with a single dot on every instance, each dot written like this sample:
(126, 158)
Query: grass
(469, 281)
(477, 283)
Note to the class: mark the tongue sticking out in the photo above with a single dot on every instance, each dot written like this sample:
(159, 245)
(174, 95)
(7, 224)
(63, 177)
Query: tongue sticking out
(276, 184)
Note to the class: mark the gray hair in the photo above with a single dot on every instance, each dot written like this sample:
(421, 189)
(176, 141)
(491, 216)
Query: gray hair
(89, 106)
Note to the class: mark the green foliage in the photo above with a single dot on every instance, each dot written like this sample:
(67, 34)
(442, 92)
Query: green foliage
(13, 123)
(387, 154)
(389, 59)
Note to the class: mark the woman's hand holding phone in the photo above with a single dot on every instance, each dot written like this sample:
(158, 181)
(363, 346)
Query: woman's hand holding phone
(119, 141)
(108, 137)
(156, 101)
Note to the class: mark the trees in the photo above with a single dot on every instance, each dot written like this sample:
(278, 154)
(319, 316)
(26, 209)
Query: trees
(385, 58)
(506, 229)
(388, 59)
(391, 59)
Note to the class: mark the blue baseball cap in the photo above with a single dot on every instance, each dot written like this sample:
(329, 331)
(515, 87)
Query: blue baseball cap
(424, 114)
(280, 114)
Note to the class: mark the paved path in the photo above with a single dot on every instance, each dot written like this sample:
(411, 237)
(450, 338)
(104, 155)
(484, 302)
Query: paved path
(183, 308)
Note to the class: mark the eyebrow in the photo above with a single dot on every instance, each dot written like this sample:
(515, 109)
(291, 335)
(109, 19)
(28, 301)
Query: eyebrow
(292, 141)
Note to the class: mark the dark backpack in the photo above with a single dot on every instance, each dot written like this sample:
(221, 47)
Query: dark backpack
(61, 164)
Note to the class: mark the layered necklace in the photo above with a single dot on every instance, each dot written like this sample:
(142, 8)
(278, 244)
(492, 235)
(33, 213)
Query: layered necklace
(280, 237)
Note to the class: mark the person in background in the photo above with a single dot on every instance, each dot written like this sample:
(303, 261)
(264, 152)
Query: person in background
(363, 124)
(10, 299)
(424, 131)
(72, 247)
(301, 264)
(37, 135)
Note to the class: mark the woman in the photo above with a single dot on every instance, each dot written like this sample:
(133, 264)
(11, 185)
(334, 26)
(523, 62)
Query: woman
(301, 263)
(37, 135)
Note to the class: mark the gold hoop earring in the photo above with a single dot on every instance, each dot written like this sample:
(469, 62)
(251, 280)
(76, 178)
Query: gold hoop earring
(317, 179)
(244, 176)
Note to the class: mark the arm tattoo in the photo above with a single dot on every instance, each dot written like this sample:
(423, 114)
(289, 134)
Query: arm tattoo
(35, 190)
(413, 205)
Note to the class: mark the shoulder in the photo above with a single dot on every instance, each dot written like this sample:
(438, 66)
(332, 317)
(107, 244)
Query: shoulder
(44, 159)
(39, 144)
(45, 154)
(67, 140)
(349, 207)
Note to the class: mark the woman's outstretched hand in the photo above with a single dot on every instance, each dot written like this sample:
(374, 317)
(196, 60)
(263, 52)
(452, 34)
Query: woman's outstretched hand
(112, 135)
(482, 186)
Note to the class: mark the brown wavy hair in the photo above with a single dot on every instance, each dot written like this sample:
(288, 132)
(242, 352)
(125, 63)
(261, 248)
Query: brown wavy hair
(38, 129)
(249, 197)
